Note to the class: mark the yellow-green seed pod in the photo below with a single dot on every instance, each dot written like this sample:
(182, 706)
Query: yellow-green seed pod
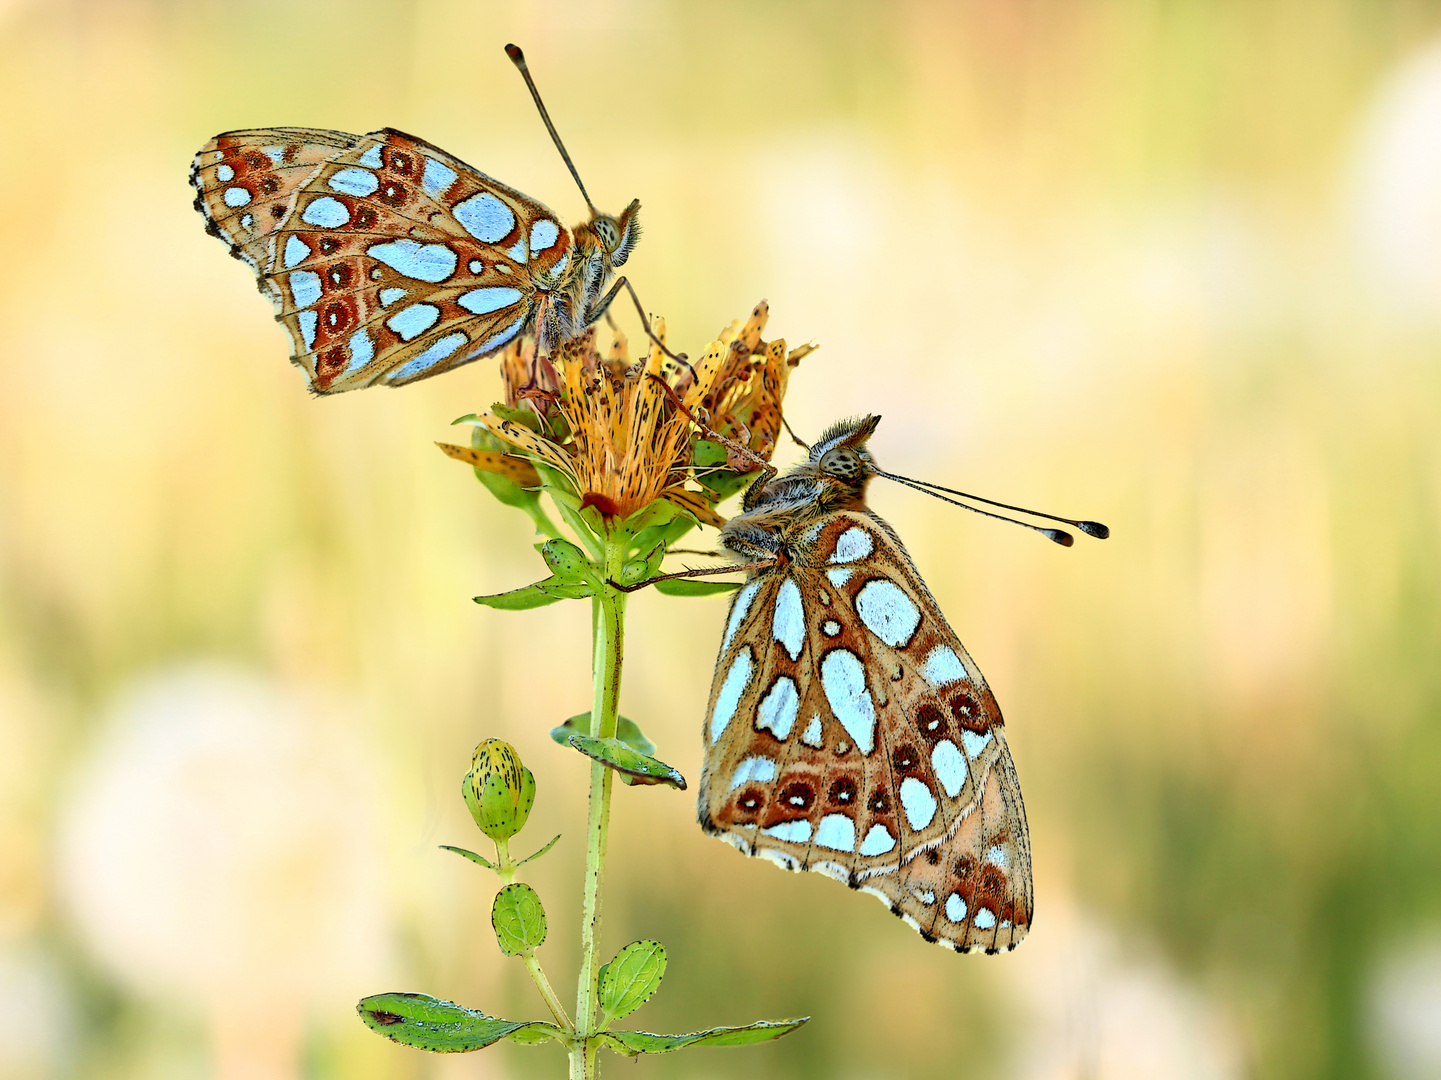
(499, 790)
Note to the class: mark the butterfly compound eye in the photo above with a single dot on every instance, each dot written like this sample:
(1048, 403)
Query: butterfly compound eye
(843, 462)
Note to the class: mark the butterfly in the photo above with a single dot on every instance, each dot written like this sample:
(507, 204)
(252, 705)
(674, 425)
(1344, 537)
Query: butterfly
(389, 260)
(849, 732)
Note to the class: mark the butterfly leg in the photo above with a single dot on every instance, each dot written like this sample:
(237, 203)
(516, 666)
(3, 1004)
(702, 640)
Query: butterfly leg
(602, 307)
(760, 565)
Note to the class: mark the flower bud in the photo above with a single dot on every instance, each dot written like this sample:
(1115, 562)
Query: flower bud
(499, 790)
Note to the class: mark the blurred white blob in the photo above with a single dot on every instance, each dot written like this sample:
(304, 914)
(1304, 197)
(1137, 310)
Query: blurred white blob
(1102, 1014)
(37, 1024)
(1396, 188)
(1405, 1009)
(219, 848)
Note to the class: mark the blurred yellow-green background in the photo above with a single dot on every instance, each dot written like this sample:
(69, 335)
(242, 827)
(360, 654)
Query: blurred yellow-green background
(1169, 264)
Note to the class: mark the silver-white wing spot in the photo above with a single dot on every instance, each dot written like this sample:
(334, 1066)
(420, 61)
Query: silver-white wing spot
(950, 767)
(789, 619)
(485, 217)
(838, 832)
(304, 287)
(424, 262)
(731, 689)
(326, 213)
(354, 182)
(852, 544)
(738, 612)
(414, 320)
(944, 666)
(844, 680)
(955, 908)
(797, 832)
(974, 743)
(296, 251)
(433, 354)
(777, 710)
(878, 841)
(918, 802)
(887, 611)
(543, 234)
(436, 177)
(492, 298)
(753, 768)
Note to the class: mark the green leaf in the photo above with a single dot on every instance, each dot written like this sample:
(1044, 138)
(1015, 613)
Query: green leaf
(643, 1042)
(565, 590)
(626, 730)
(666, 534)
(505, 489)
(652, 514)
(707, 453)
(634, 767)
(539, 853)
(628, 981)
(518, 415)
(566, 561)
(472, 856)
(428, 1023)
(530, 596)
(518, 918)
(538, 594)
(693, 587)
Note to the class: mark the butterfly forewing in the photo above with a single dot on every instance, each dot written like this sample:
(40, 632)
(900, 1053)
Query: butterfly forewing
(850, 733)
(245, 182)
(388, 259)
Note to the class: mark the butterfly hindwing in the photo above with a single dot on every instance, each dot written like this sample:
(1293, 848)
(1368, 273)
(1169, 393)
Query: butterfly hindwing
(850, 733)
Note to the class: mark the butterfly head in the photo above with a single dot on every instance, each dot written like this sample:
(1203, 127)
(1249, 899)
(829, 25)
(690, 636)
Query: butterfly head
(833, 476)
(841, 453)
(617, 236)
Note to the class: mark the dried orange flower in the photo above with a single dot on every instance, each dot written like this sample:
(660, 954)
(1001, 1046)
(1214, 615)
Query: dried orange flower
(615, 432)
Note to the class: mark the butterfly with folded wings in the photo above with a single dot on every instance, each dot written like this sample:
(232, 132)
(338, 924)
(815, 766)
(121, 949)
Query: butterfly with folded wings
(849, 732)
(389, 260)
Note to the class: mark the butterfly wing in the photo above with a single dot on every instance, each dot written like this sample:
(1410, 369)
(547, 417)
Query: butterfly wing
(388, 259)
(850, 733)
(245, 183)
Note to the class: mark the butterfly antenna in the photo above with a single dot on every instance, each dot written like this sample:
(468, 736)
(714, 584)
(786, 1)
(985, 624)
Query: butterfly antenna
(1090, 528)
(1060, 536)
(518, 59)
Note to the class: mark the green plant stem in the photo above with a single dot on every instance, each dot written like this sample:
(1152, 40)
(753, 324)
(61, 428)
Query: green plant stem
(609, 643)
(506, 869)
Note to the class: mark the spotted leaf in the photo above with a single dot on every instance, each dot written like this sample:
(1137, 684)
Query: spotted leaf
(629, 981)
(643, 1042)
(429, 1023)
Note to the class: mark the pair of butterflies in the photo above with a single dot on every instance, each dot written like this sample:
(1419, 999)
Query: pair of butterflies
(848, 731)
